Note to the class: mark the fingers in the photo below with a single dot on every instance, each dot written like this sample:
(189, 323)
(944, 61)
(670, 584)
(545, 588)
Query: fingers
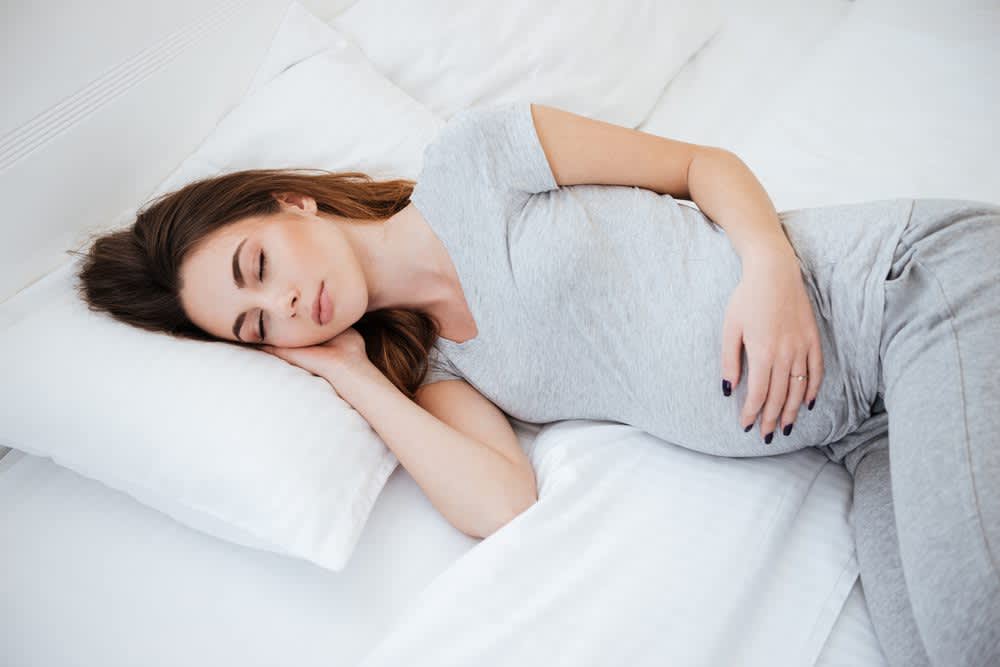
(773, 392)
(796, 393)
(776, 395)
(732, 346)
(815, 361)
(758, 379)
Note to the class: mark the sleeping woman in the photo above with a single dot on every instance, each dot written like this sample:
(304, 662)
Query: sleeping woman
(542, 267)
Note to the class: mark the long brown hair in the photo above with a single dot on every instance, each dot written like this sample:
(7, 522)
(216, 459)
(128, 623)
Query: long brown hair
(134, 273)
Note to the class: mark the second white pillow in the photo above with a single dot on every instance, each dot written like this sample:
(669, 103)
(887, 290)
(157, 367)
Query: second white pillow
(604, 59)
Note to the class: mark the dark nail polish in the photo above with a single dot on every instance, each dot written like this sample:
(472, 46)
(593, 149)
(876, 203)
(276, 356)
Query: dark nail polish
(727, 388)
(767, 438)
(812, 403)
(787, 429)
(747, 429)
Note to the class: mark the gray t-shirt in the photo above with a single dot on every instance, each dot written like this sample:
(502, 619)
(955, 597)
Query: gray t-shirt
(607, 302)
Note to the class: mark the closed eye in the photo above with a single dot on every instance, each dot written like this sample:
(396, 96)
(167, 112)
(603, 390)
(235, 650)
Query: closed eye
(260, 277)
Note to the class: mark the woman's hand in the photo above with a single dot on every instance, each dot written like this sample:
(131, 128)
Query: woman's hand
(770, 314)
(347, 347)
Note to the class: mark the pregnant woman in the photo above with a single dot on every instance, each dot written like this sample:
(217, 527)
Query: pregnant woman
(543, 267)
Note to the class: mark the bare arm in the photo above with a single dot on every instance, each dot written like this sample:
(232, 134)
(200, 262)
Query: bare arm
(583, 150)
(475, 487)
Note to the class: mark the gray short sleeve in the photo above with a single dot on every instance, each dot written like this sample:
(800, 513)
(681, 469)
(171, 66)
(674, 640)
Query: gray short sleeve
(496, 147)
(439, 368)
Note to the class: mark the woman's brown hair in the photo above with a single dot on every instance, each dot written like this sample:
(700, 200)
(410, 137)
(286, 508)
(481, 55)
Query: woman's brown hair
(134, 273)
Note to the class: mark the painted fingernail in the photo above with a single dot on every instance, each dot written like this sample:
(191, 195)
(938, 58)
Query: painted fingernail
(787, 429)
(767, 438)
(747, 429)
(727, 388)
(812, 403)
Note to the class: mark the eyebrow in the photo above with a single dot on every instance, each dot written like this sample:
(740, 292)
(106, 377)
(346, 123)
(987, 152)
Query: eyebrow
(240, 284)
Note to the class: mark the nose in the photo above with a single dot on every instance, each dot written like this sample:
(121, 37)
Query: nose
(289, 303)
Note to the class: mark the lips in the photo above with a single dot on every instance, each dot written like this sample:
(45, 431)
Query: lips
(316, 305)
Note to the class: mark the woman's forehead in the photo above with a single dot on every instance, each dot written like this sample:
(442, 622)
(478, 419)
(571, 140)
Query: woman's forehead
(225, 239)
(208, 293)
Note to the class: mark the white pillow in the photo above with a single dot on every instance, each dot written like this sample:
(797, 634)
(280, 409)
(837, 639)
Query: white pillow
(331, 110)
(605, 59)
(229, 440)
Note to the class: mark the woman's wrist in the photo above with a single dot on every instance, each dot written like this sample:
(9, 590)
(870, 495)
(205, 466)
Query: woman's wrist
(769, 252)
(340, 368)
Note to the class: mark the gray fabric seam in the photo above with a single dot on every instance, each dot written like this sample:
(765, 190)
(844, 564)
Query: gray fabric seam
(965, 419)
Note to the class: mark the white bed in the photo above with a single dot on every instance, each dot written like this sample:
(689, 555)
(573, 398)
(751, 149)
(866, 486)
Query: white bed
(89, 576)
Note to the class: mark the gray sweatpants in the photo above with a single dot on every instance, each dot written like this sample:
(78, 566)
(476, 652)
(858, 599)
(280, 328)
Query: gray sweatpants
(926, 512)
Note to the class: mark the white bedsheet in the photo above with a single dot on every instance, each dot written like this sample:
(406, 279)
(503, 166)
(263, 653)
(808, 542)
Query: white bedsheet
(639, 552)
(636, 548)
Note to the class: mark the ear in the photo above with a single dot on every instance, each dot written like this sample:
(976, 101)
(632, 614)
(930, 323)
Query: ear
(296, 202)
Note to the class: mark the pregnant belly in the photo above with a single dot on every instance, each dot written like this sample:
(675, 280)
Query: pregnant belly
(678, 394)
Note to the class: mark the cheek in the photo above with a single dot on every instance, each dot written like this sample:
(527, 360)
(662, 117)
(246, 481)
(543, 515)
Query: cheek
(323, 259)
(307, 254)
(351, 291)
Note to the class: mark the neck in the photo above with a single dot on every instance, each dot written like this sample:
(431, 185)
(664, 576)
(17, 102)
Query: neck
(400, 261)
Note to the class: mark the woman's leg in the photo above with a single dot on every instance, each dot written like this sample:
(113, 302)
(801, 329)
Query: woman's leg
(878, 560)
(940, 354)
